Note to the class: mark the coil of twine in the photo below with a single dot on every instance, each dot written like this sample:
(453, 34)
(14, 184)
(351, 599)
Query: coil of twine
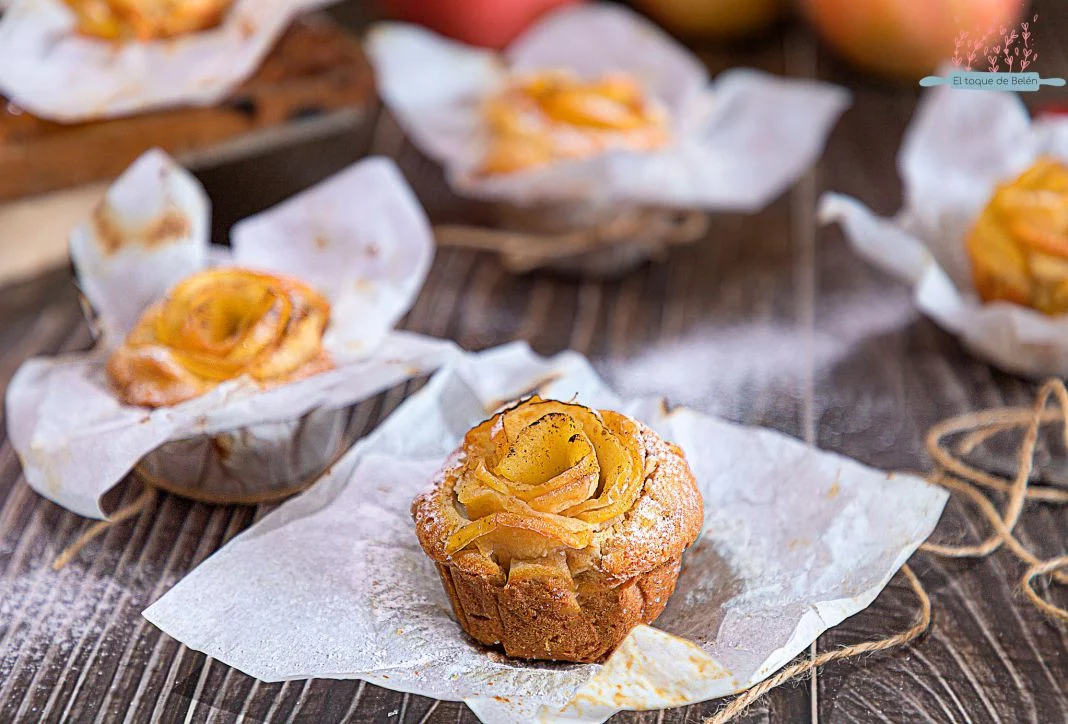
(957, 476)
(521, 250)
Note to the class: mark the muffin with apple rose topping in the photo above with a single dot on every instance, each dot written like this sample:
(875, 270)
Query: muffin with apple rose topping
(557, 528)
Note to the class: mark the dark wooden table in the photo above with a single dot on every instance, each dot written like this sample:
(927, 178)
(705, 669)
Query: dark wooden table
(770, 321)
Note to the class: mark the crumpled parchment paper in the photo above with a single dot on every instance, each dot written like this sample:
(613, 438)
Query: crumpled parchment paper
(55, 73)
(960, 146)
(334, 584)
(738, 144)
(360, 237)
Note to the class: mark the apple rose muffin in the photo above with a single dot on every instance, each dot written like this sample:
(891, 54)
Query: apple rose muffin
(146, 19)
(553, 115)
(556, 529)
(218, 325)
(1019, 244)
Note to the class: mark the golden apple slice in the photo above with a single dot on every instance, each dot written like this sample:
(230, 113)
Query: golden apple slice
(300, 343)
(622, 471)
(1044, 239)
(999, 267)
(1047, 173)
(585, 107)
(620, 88)
(535, 408)
(542, 450)
(513, 154)
(565, 531)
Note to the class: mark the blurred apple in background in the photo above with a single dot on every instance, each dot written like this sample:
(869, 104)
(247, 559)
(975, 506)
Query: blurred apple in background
(906, 38)
(488, 23)
(721, 19)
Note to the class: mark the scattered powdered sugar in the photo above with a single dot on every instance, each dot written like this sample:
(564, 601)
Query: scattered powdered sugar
(717, 368)
(49, 618)
(57, 627)
(654, 529)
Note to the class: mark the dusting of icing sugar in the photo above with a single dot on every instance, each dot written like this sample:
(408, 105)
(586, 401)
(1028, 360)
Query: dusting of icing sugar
(715, 368)
(456, 458)
(655, 520)
(83, 612)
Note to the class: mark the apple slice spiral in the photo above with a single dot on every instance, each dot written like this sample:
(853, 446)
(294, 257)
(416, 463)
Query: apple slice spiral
(145, 20)
(219, 325)
(552, 473)
(1019, 244)
(553, 115)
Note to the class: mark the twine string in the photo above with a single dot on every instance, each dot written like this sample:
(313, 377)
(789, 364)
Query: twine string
(741, 702)
(143, 501)
(1003, 524)
(153, 485)
(978, 427)
(525, 250)
(960, 477)
(1050, 566)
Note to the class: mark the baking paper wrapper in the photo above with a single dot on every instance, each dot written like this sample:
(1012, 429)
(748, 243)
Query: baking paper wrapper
(359, 237)
(334, 584)
(50, 70)
(960, 146)
(738, 143)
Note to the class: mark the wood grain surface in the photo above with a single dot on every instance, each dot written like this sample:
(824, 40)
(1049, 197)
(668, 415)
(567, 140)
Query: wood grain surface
(769, 321)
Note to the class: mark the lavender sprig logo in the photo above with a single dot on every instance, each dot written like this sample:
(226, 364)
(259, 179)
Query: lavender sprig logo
(981, 56)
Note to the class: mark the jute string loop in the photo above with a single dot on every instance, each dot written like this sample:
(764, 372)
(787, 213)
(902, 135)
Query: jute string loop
(981, 426)
(525, 250)
(741, 702)
(154, 485)
(143, 501)
(957, 476)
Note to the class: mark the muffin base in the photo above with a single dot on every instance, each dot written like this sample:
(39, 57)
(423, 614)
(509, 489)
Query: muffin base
(252, 465)
(546, 618)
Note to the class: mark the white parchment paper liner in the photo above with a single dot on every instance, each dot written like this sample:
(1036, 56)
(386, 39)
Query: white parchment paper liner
(334, 584)
(959, 147)
(738, 143)
(360, 237)
(53, 72)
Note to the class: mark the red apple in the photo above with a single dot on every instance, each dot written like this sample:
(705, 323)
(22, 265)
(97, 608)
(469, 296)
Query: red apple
(712, 18)
(907, 38)
(488, 23)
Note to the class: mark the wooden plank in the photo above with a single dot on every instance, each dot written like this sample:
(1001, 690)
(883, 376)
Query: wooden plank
(890, 374)
(766, 322)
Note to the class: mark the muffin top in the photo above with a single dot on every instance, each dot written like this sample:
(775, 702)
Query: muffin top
(218, 325)
(145, 20)
(553, 115)
(1019, 244)
(578, 491)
